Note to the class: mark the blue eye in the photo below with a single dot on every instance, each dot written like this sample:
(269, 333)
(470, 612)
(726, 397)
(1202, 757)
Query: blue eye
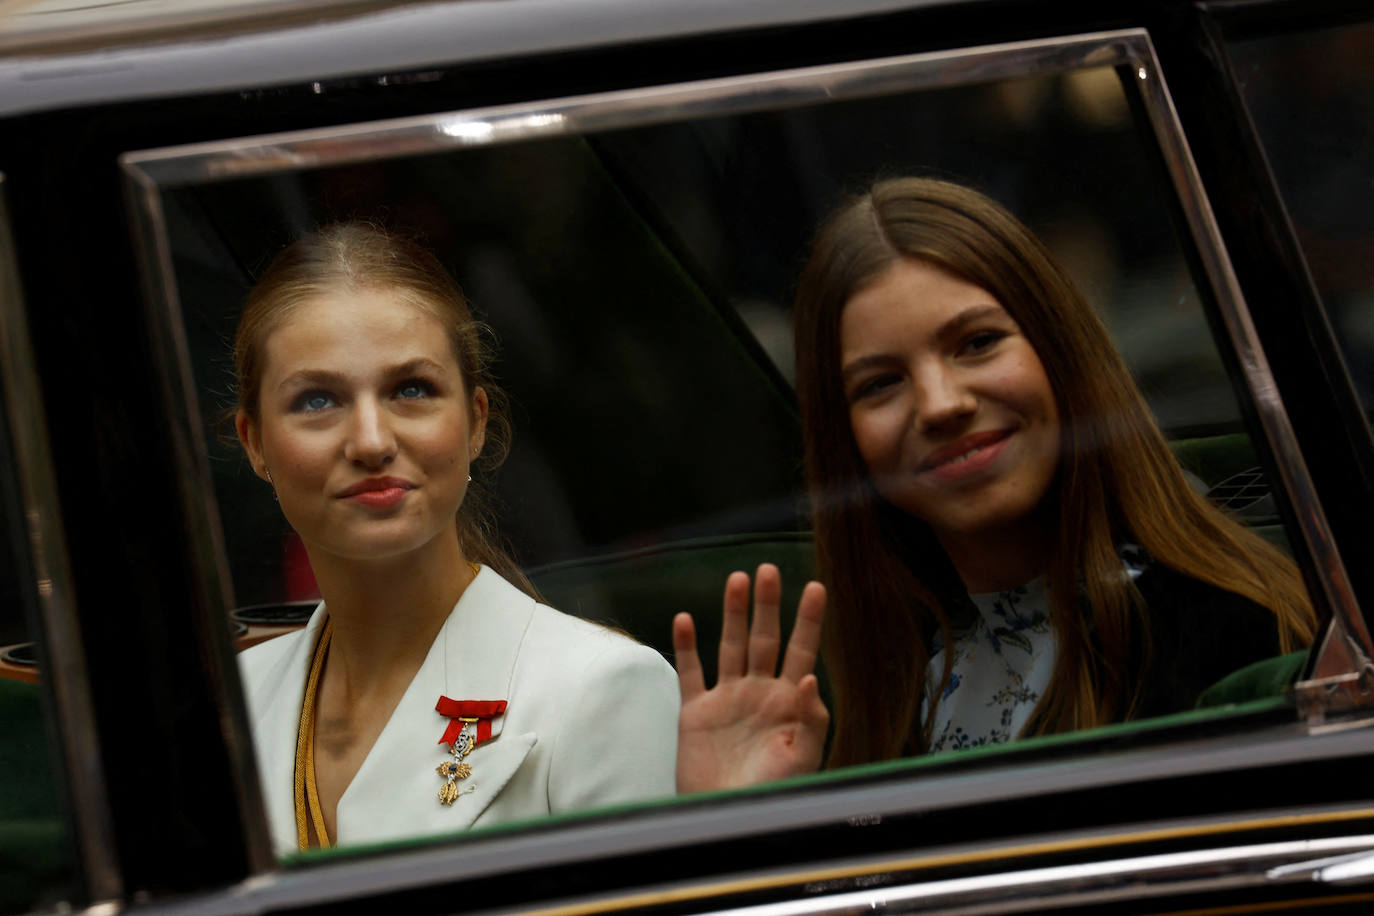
(414, 388)
(313, 401)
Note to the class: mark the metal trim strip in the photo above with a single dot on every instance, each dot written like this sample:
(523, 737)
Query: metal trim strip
(520, 852)
(437, 133)
(1114, 881)
(195, 490)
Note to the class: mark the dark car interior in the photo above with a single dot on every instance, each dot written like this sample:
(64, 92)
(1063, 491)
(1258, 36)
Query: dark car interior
(638, 282)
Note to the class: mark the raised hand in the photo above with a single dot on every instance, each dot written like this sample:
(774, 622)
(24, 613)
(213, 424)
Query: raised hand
(755, 724)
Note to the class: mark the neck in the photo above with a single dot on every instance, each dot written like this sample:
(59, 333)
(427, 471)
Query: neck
(386, 613)
(999, 559)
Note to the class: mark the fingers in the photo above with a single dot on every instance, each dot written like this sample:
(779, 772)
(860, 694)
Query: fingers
(764, 636)
(809, 695)
(690, 679)
(815, 723)
(752, 649)
(734, 628)
(804, 645)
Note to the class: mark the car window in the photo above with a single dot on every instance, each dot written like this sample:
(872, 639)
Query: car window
(637, 256)
(34, 842)
(37, 868)
(1311, 95)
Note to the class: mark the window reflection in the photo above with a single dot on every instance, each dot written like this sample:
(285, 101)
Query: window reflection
(33, 841)
(1311, 95)
(35, 864)
(640, 282)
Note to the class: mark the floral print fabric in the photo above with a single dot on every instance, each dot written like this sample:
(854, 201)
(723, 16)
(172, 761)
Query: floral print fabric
(1003, 659)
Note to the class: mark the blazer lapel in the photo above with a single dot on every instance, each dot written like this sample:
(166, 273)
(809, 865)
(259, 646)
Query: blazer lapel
(277, 694)
(395, 793)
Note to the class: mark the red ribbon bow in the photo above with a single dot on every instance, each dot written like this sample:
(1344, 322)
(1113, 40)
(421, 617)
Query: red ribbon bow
(458, 710)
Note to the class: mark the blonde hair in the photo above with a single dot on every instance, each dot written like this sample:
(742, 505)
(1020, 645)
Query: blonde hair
(1117, 482)
(359, 255)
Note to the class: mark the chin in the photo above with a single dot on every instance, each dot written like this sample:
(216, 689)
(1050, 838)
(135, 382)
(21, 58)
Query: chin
(989, 522)
(377, 548)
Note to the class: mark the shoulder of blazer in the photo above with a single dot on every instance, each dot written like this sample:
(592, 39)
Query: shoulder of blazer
(267, 667)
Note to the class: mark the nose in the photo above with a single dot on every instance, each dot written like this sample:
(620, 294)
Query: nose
(942, 397)
(371, 442)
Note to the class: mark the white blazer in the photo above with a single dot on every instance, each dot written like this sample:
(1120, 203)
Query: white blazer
(591, 720)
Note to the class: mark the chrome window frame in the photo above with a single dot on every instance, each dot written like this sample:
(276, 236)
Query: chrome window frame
(148, 172)
(1330, 861)
(88, 810)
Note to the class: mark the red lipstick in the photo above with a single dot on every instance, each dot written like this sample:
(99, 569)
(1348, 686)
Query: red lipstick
(378, 492)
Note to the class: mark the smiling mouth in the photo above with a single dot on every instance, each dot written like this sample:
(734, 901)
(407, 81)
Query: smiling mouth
(960, 459)
(963, 451)
(376, 486)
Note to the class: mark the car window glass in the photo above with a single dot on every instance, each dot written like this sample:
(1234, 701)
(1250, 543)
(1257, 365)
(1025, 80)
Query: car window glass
(1311, 95)
(640, 279)
(33, 832)
(36, 866)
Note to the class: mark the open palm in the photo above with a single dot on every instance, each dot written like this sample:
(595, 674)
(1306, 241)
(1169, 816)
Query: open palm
(757, 723)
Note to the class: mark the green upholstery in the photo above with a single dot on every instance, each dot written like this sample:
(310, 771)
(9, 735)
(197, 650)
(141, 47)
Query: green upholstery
(1267, 678)
(1214, 458)
(639, 591)
(34, 866)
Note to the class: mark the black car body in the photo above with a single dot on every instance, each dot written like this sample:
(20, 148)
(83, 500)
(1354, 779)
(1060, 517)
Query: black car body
(626, 190)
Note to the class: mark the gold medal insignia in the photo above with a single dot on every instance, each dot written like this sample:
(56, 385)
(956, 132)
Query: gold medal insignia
(456, 768)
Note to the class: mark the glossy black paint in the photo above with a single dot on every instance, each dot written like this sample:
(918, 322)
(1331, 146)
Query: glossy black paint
(179, 824)
(159, 730)
(509, 873)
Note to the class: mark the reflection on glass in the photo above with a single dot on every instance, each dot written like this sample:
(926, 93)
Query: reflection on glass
(36, 861)
(34, 850)
(430, 691)
(1311, 94)
(1010, 547)
(640, 281)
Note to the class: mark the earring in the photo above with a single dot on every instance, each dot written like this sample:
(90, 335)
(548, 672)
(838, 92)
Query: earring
(469, 478)
(270, 482)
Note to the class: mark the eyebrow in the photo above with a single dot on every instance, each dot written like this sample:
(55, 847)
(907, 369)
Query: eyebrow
(968, 316)
(306, 377)
(971, 315)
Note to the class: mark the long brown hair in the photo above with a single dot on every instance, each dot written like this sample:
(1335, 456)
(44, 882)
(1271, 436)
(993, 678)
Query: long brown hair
(1117, 481)
(359, 255)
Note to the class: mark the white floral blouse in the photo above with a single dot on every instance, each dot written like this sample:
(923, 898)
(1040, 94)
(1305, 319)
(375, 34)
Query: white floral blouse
(1003, 659)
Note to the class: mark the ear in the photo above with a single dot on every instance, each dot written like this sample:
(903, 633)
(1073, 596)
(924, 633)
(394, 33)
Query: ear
(251, 440)
(477, 436)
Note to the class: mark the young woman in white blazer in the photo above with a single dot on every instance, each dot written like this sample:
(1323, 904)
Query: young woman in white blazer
(431, 691)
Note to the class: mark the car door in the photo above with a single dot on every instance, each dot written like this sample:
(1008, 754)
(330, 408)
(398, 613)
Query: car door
(627, 199)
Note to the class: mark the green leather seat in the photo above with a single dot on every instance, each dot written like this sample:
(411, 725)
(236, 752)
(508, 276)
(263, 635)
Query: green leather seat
(1261, 680)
